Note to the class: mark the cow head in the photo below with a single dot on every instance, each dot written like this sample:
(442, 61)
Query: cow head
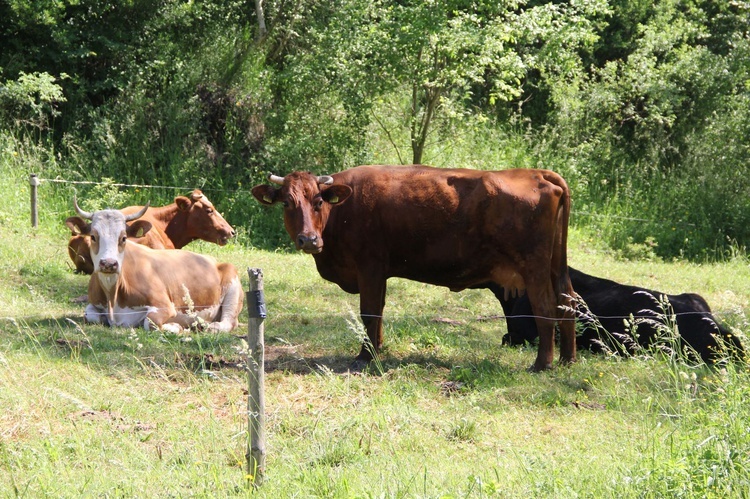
(203, 220)
(307, 201)
(78, 247)
(108, 233)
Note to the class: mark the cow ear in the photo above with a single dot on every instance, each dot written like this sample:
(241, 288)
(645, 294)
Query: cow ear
(77, 226)
(266, 194)
(139, 228)
(183, 203)
(337, 193)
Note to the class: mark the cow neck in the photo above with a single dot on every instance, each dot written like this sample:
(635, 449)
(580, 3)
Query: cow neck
(175, 225)
(109, 284)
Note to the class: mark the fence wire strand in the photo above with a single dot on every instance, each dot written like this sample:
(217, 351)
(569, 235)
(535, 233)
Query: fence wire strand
(148, 186)
(390, 317)
(307, 314)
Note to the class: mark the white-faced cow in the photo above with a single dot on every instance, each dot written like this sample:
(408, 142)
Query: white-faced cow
(449, 227)
(134, 285)
(172, 227)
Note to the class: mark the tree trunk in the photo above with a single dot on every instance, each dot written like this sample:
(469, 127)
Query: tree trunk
(262, 31)
(422, 114)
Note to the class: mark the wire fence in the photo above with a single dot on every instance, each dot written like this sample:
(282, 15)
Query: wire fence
(59, 180)
(231, 191)
(647, 315)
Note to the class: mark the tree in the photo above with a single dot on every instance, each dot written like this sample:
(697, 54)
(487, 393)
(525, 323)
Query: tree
(440, 53)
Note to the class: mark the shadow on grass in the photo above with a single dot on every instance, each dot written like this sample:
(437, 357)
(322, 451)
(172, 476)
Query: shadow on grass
(139, 351)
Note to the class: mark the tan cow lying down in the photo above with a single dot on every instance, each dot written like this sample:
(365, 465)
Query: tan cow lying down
(173, 227)
(133, 285)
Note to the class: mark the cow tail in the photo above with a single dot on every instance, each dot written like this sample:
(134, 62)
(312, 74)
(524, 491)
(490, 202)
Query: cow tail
(562, 283)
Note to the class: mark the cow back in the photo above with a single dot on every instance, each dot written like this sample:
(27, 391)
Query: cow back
(451, 227)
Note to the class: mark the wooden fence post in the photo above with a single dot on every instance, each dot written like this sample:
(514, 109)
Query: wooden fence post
(256, 403)
(34, 182)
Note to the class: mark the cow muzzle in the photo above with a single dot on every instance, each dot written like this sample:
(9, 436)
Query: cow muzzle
(311, 244)
(108, 266)
(226, 236)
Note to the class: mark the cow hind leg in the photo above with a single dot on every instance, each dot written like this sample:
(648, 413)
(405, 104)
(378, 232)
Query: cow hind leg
(163, 316)
(566, 312)
(567, 333)
(544, 307)
(231, 306)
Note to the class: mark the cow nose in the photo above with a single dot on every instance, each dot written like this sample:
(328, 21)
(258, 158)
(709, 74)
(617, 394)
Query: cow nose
(108, 265)
(308, 243)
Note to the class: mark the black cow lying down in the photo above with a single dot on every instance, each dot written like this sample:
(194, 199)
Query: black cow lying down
(610, 302)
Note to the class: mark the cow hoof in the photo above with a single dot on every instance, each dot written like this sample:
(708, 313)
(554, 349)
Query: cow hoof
(537, 369)
(358, 366)
(171, 327)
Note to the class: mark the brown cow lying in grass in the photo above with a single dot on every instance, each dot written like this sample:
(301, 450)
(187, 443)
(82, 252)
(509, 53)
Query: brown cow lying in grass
(173, 227)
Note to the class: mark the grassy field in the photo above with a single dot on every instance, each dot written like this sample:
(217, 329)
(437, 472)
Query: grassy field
(448, 412)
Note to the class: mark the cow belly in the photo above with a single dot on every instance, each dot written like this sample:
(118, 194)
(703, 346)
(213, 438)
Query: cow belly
(459, 275)
(124, 316)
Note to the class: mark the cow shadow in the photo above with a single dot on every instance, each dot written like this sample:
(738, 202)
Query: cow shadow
(286, 360)
(102, 347)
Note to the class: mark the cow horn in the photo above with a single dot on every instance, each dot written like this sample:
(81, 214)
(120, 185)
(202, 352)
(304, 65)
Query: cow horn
(276, 179)
(135, 216)
(83, 214)
(325, 180)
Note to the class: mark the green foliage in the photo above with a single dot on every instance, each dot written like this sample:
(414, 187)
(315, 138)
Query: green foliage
(30, 101)
(642, 106)
(639, 128)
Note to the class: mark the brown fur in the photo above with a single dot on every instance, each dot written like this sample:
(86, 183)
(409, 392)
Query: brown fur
(449, 227)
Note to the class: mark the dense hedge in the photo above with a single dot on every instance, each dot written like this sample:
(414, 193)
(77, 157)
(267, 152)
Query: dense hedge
(643, 106)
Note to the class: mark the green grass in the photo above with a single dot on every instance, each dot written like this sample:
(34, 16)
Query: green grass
(93, 411)
(96, 411)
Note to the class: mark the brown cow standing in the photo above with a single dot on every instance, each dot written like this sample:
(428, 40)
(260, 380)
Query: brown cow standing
(173, 227)
(449, 227)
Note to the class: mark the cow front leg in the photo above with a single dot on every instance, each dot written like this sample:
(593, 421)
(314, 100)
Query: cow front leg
(163, 317)
(371, 304)
(94, 314)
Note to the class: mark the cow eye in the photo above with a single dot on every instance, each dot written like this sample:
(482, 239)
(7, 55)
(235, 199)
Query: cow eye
(93, 238)
(285, 203)
(210, 211)
(318, 204)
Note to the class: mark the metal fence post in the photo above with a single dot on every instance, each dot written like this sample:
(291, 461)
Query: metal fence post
(256, 404)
